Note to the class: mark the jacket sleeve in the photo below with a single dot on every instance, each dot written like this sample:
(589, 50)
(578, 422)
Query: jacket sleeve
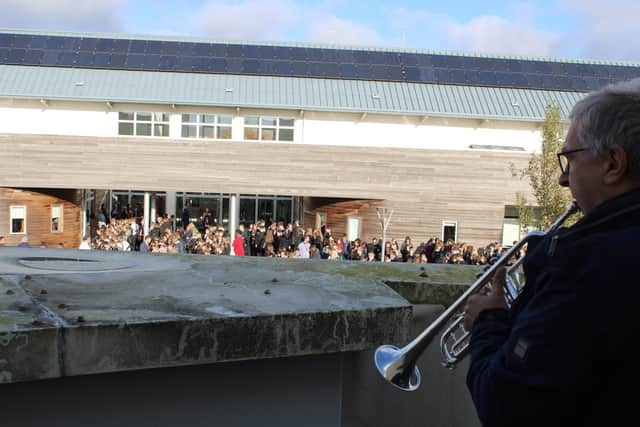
(525, 368)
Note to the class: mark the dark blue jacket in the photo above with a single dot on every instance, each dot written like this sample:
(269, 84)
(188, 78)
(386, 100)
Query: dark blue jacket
(566, 353)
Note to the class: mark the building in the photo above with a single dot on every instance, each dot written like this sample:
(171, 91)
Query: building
(321, 134)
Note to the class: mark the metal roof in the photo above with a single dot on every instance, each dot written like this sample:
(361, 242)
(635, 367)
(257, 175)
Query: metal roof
(292, 93)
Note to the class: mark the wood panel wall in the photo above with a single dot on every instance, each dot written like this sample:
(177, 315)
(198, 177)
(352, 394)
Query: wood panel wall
(38, 203)
(424, 187)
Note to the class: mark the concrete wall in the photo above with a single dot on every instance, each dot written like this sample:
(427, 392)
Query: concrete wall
(333, 390)
(441, 401)
(287, 392)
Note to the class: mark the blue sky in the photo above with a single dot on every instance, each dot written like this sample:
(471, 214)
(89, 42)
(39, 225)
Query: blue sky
(565, 28)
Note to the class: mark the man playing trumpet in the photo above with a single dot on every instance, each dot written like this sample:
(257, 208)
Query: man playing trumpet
(565, 353)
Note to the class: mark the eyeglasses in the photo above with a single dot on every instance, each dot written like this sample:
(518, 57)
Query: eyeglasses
(563, 160)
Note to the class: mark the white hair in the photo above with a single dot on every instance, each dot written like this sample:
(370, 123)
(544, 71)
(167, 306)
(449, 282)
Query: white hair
(611, 116)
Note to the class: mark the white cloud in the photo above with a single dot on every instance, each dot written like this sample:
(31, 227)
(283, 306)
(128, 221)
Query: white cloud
(606, 29)
(330, 29)
(499, 35)
(70, 15)
(249, 20)
(487, 34)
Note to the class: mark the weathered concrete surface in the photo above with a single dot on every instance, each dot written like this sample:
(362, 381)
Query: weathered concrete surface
(96, 312)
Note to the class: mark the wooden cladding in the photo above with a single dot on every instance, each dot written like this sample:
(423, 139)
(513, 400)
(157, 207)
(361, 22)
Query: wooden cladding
(423, 187)
(39, 204)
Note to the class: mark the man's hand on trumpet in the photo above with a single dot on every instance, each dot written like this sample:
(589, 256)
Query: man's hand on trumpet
(483, 301)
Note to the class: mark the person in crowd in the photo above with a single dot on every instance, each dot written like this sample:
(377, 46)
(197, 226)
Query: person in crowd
(144, 245)
(314, 253)
(304, 247)
(238, 243)
(245, 239)
(186, 215)
(564, 353)
(24, 242)
(86, 243)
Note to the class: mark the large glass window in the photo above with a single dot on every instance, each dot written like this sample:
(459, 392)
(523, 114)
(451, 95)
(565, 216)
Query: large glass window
(143, 124)
(18, 219)
(57, 218)
(268, 128)
(283, 210)
(247, 211)
(265, 211)
(206, 126)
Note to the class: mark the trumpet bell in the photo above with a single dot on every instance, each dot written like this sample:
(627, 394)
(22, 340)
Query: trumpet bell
(389, 361)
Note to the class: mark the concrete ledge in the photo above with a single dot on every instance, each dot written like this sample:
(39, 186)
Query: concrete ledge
(67, 312)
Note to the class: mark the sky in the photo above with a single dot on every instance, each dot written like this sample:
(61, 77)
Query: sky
(596, 29)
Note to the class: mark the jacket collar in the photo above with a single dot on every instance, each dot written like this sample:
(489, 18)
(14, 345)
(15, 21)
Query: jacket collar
(616, 208)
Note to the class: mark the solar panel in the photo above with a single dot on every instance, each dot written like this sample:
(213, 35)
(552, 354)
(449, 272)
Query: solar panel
(16, 56)
(315, 54)
(412, 73)
(361, 57)
(6, 40)
(22, 41)
(303, 61)
(100, 59)
(66, 58)
(217, 65)
(250, 66)
(408, 59)
(104, 45)
(299, 54)
(54, 43)
(117, 60)
(33, 56)
(395, 73)
(154, 47)
(282, 68)
(299, 68)
(250, 52)
(169, 48)
(135, 61)
(86, 59)
(168, 62)
(234, 51)
(281, 53)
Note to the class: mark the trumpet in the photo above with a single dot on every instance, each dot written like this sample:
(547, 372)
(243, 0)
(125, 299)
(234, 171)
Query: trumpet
(398, 365)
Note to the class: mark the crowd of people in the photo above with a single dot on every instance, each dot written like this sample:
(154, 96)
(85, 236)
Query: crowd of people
(278, 240)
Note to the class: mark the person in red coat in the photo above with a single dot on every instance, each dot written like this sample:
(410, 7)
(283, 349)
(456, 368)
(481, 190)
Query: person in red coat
(238, 244)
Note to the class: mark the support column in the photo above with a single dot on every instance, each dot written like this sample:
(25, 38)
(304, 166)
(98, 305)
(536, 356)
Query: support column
(233, 218)
(84, 215)
(170, 207)
(147, 206)
(154, 216)
(170, 203)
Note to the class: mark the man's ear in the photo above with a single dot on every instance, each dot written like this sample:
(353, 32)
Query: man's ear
(616, 165)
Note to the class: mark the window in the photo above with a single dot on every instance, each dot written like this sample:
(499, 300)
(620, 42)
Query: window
(321, 219)
(143, 124)
(449, 231)
(353, 228)
(57, 218)
(206, 126)
(266, 128)
(18, 219)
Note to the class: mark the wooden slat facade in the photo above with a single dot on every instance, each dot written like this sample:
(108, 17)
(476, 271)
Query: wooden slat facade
(424, 187)
(38, 204)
